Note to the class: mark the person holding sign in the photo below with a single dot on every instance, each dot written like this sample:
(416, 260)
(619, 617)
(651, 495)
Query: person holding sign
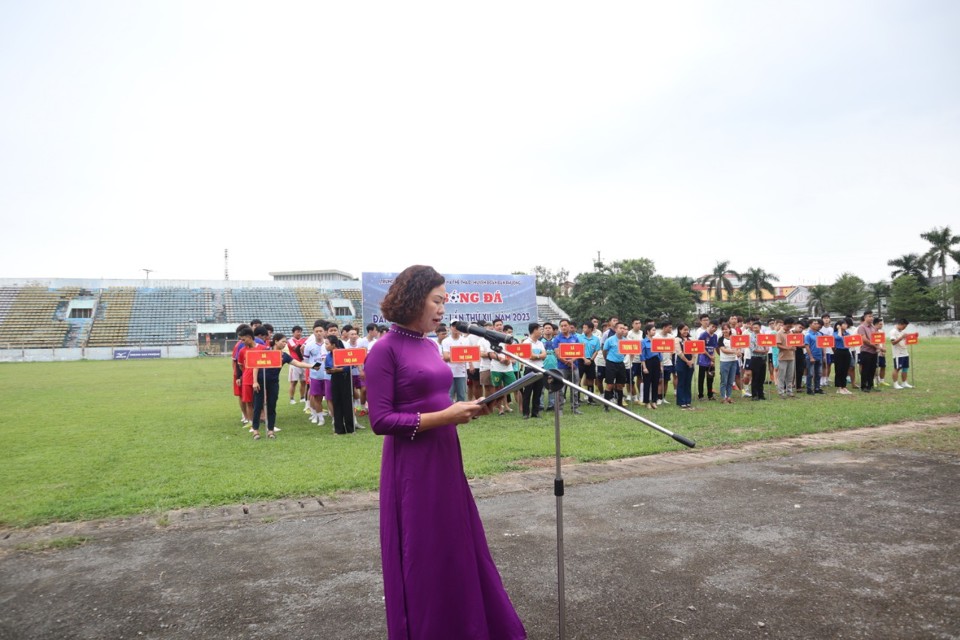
(616, 369)
(458, 390)
(841, 356)
(567, 366)
(650, 367)
(868, 353)
(591, 345)
(341, 391)
(729, 357)
(758, 362)
(706, 368)
(684, 364)
(814, 357)
(266, 387)
(881, 352)
(530, 396)
(786, 367)
(439, 578)
(901, 356)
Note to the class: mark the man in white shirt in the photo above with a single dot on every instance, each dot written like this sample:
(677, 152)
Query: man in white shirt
(901, 355)
(458, 390)
(633, 363)
(669, 373)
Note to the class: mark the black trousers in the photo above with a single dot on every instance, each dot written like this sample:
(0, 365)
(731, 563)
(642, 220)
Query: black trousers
(530, 397)
(272, 389)
(758, 367)
(801, 368)
(701, 375)
(342, 402)
(868, 362)
(841, 367)
(651, 380)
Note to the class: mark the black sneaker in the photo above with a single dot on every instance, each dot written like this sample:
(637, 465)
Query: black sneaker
(819, 392)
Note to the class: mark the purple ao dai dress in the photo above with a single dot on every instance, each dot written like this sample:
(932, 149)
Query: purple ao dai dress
(439, 579)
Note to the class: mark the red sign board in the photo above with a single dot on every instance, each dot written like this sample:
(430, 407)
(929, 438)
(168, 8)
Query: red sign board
(794, 340)
(825, 342)
(879, 337)
(464, 354)
(349, 357)
(853, 341)
(521, 350)
(912, 338)
(767, 339)
(693, 347)
(740, 342)
(628, 347)
(570, 350)
(262, 359)
(662, 345)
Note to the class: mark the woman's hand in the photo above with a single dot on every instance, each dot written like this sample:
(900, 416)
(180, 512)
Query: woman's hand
(463, 412)
(256, 386)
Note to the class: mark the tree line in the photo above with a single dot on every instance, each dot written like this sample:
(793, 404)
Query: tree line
(633, 289)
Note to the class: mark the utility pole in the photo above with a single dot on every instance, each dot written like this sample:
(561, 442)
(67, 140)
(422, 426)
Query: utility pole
(148, 272)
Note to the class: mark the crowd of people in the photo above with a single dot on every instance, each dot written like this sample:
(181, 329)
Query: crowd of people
(650, 378)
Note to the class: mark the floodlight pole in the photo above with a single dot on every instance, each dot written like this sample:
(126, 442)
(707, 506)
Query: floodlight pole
(148, 272)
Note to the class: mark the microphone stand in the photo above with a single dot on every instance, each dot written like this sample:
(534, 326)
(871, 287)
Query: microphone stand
(558, 488)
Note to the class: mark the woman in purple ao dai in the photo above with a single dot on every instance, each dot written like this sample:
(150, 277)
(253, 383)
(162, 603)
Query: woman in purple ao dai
(440, 581)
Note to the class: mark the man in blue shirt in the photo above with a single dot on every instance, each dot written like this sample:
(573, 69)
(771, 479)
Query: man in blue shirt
(616, 374)
(591, 344)
(568, 367)
(814, 358)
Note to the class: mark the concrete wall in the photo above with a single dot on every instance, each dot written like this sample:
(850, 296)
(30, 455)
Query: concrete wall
(93, 353)
(933, 329)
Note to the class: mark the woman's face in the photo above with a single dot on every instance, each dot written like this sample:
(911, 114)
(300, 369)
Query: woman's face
(432, 314)
(280, 344)
(726, 332)
(685, 332)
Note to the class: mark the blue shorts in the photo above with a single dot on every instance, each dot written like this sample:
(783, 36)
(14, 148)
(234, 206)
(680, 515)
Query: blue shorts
(881, 362)
(636, 369)
(829, 358)
(668, 371)
(902, 363)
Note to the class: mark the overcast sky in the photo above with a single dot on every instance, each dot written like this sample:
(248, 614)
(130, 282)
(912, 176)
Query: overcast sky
(806, 138)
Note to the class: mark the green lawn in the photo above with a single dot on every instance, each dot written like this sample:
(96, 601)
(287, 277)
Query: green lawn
(94, 439)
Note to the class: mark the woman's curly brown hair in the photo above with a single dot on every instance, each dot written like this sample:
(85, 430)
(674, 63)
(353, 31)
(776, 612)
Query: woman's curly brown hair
(405, 299)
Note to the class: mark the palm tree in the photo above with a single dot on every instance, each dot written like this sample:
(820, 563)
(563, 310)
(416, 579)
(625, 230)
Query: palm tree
(757, 280)
(879, 291)
(718, 281)
(910, 264)
(817, 299)
(942, 242)
(686, 283)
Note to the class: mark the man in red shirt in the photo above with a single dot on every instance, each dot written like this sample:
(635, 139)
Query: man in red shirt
(235, 374)
(246, 375)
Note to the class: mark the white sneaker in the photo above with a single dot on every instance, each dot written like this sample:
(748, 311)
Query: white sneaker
(277, 429)
(665, 401)
(303, 400)
(906, 385)
(292, 401)
(659, 401)
(320, 420)
(896, 385)
(252, 430)
(313, 419)
(308, 410)
(747, 394)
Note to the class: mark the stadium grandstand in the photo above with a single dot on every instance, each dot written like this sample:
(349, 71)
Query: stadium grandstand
(83, 316)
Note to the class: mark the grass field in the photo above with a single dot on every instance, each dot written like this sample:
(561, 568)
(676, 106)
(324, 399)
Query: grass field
(88, 440)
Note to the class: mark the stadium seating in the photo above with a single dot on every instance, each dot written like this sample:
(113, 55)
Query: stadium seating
(111, 322)
(168, 316)
(36, 317)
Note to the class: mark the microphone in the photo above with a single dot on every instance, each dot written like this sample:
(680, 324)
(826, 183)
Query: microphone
(489, 334)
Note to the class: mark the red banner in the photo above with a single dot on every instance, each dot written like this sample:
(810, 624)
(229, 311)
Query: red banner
(349, 357)
(825, 342)
(911, 338)
(570, 350)
(878, 338)
(739, 342)
(767, 340)
(662, 345)
(521, 350)
(629, 347)
(262, 359)
(794, 339)
(853, 341)
(693, 347)
(464, 354)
